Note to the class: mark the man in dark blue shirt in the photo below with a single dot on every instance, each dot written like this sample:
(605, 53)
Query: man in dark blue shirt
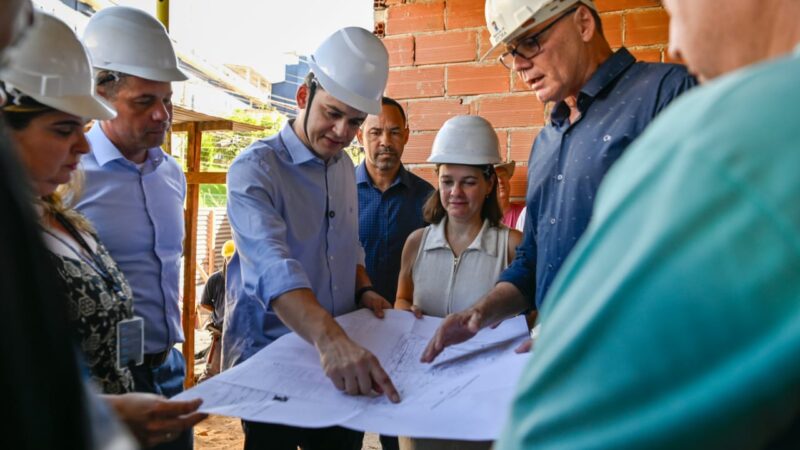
(390, 200)
(602, 100)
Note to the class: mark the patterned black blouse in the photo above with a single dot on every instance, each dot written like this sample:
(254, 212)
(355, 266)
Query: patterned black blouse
(95, 307)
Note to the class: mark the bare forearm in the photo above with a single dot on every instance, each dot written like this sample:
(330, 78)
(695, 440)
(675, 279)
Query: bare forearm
(301, 312)
(503, 301)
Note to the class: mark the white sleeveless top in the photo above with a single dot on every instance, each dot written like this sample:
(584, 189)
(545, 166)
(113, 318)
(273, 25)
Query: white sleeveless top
(444, 284)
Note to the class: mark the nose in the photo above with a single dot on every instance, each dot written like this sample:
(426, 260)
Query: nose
(520, 63)
(385, 138)
(162, 112)
(82, 145)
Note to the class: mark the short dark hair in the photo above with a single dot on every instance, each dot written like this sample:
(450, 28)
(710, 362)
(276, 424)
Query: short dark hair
(433, 211)
(392, 102)
(111, 82)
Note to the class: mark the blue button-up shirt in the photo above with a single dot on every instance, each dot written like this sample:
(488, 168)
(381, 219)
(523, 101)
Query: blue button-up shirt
(385, 219)
(295, 223)
(569, 160)
(138, 215)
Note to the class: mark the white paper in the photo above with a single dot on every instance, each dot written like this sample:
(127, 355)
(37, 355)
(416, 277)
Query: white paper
(465, 394)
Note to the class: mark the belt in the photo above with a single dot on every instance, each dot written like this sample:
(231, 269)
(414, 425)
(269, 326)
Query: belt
(154, 360)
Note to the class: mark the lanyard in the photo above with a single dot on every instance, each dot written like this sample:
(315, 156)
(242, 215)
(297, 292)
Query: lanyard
(96, 262)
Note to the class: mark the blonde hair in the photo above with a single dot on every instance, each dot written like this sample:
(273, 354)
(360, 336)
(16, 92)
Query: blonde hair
(62, 202)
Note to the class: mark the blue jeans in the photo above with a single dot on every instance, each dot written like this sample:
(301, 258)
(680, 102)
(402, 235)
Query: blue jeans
(166, 380)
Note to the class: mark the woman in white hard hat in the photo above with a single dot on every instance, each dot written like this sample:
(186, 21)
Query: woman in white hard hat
(450, 264)
(51, 94)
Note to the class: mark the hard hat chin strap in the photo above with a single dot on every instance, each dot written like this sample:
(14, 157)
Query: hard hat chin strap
(312, 90)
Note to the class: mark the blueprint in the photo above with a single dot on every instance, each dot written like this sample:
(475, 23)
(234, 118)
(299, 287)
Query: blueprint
(464, 394)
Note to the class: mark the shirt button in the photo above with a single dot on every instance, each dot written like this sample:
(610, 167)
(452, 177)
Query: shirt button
(560, 177)
(331, 257)
(331, 214)
(336, 288)
(553, 221)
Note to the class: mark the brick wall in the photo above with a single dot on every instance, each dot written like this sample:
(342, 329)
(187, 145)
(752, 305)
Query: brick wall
(434, 47)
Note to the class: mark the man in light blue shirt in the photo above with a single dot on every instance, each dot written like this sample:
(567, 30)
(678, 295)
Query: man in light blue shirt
(675, 323)
(293, 209)
(134, 192)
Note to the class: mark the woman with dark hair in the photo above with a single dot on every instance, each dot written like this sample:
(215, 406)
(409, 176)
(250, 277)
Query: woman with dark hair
(50, 91)
(450, 264)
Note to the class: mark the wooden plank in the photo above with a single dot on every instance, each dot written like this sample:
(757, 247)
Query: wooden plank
(208, 125)
(206, 177)
(189, 259)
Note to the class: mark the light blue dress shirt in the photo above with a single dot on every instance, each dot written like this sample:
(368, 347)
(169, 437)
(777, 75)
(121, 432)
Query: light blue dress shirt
(295, 223)
(138, 215)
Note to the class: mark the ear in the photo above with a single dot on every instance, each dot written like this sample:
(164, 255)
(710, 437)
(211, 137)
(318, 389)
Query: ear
(584, 20)
(360, 135)
(406, 135)
(301, 96)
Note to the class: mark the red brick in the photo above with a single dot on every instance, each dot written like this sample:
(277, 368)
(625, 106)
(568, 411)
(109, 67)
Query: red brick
(517, 85)
(401, 50)
(484, 44)
(418, 147)
(523, 110)
(519, 182)
(668, 58)
(648, 54)
(464, 14)
(413, 18)
(502, 136)
(477, 79)
(648, 27)
(521, 143)
(415, 83)
(452, 46)
(428, 174)
(620, 5)
(393, 2)
(612, 29)
(431, 114)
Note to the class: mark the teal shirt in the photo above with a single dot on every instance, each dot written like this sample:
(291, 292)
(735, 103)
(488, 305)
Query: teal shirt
(675, 322)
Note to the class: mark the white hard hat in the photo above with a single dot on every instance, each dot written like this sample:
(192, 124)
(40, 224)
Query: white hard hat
(130, 41)
(353, 66)
(51, 66)
(505, 18)
(466, 140)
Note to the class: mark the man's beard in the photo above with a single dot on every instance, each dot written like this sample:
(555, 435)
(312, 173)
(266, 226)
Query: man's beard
(386, 163)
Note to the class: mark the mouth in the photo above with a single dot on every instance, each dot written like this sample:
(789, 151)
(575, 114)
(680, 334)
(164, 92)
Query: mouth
(333, 141)
(535, 81)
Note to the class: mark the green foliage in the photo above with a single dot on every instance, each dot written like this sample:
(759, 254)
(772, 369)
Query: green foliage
(219, 149)
(213, 195)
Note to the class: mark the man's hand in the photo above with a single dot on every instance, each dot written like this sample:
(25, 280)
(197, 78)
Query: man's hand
(454, 329)
(374, 301)
(353, 369)
(153, 419)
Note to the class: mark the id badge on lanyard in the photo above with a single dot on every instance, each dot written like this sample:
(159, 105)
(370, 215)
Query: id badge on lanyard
(130, 342)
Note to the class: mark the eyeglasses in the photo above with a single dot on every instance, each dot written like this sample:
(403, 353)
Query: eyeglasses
(530, 46)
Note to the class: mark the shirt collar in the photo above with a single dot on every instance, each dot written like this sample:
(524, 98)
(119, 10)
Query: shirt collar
(297, 149)
(608, 71)
(105, 151)
(362, 176)
(486, 240)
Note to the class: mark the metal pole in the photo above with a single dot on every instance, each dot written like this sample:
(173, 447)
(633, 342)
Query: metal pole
(162, 12)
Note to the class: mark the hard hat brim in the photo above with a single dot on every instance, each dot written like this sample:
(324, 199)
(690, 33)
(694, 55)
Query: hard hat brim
(84, 106)
(163, 75)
